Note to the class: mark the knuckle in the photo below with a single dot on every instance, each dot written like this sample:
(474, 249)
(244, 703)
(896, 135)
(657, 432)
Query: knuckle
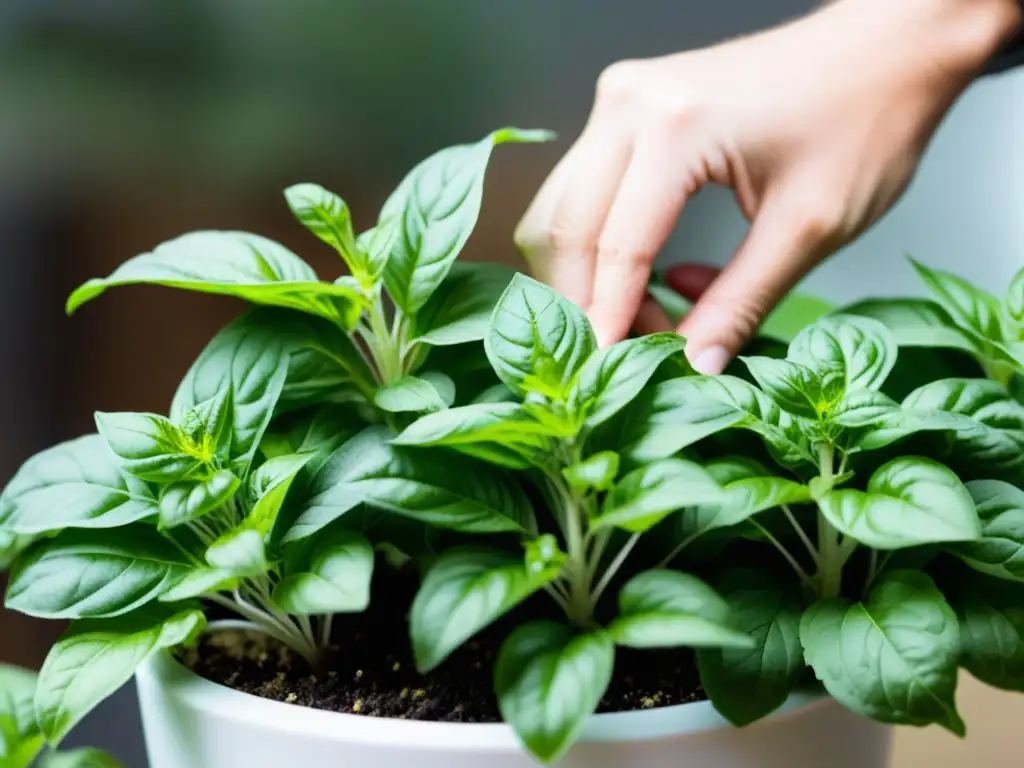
(613, 250)
(820, 219)
(619, 82)
(565, 236)
(674, 110)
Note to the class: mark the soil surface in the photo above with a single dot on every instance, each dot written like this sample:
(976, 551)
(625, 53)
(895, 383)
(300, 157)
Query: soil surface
(369, 670)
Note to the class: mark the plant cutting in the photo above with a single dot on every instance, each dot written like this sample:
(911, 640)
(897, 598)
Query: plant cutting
(820, 525)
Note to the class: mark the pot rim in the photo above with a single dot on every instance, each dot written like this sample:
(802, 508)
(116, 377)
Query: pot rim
(175, 681)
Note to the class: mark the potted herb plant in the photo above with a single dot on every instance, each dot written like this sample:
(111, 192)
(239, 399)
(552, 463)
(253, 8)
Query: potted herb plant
(387, 512)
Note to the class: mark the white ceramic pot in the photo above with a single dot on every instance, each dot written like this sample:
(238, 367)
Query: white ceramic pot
(191, 722)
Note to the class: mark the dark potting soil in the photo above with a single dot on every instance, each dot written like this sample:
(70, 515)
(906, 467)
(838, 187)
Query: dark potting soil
(369, 670)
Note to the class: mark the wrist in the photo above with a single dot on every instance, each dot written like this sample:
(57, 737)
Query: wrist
(958, 37)
(978, 30)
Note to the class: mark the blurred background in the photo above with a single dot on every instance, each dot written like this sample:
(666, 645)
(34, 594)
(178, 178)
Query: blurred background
(125, 123)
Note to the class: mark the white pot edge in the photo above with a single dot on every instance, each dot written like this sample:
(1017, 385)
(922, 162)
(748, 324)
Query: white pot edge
(164, 672)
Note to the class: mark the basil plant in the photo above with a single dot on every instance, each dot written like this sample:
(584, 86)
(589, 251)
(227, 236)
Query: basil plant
(960, 317)
(843, 509)
(137, 532)
(844, 538)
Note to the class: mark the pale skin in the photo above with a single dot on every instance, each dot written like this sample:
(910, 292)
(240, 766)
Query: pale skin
(817, 125)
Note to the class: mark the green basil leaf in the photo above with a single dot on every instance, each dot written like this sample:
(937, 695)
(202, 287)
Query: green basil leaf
(645, 496)
(314, 434)
(746, 490)
(151, 447)
(863, 349)
(330, 574)
(377, 243)
(909, 501)
(746, 684)
(409, 394)
(972, 309)
(793, 387)
(458, 312)
(664, 609)
(892, 658)
(463, 592)
(916, 323)
(501, 433)
(865, 407)
(199, 582)
(20, 753)
(991, 618)
(663, 420)
(443, 383)
(549, 680)
(992, 441)
(901, 423)
(596, 472)
(433, 487)
(11, 547)
(438, 204)
(537, 339)
(612, 377)
(1000, 550)
(184, 502)
(497, 393)
(237, 264)
(95, 658)
(75, 484)
(94, 574)
(79, 758)
(249, 359)
(754, 411)
(325, 365)
(20, 738)
(209, 425)
(268, 488)
(327, 216)
(240, 553)
(1015, 299)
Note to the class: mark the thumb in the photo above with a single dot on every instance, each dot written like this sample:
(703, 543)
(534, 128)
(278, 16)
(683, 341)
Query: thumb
(784, 243)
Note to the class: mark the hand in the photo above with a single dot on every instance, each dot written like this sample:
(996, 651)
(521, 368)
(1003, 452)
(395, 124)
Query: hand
(817, 126)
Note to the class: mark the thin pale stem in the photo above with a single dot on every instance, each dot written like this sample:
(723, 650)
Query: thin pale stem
(801, 533)
(266, 625)
(177, 545)
(238, 624)
(557, 596)
(613, 568)
(302, 637)
(872, 569)
(326, 624)
(560, 588)
(677, 550)
(388, 353)
(885, 561)
(782, 550)
(599, 543)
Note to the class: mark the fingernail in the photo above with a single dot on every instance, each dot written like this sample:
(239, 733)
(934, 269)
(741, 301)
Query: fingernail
(711, 361)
